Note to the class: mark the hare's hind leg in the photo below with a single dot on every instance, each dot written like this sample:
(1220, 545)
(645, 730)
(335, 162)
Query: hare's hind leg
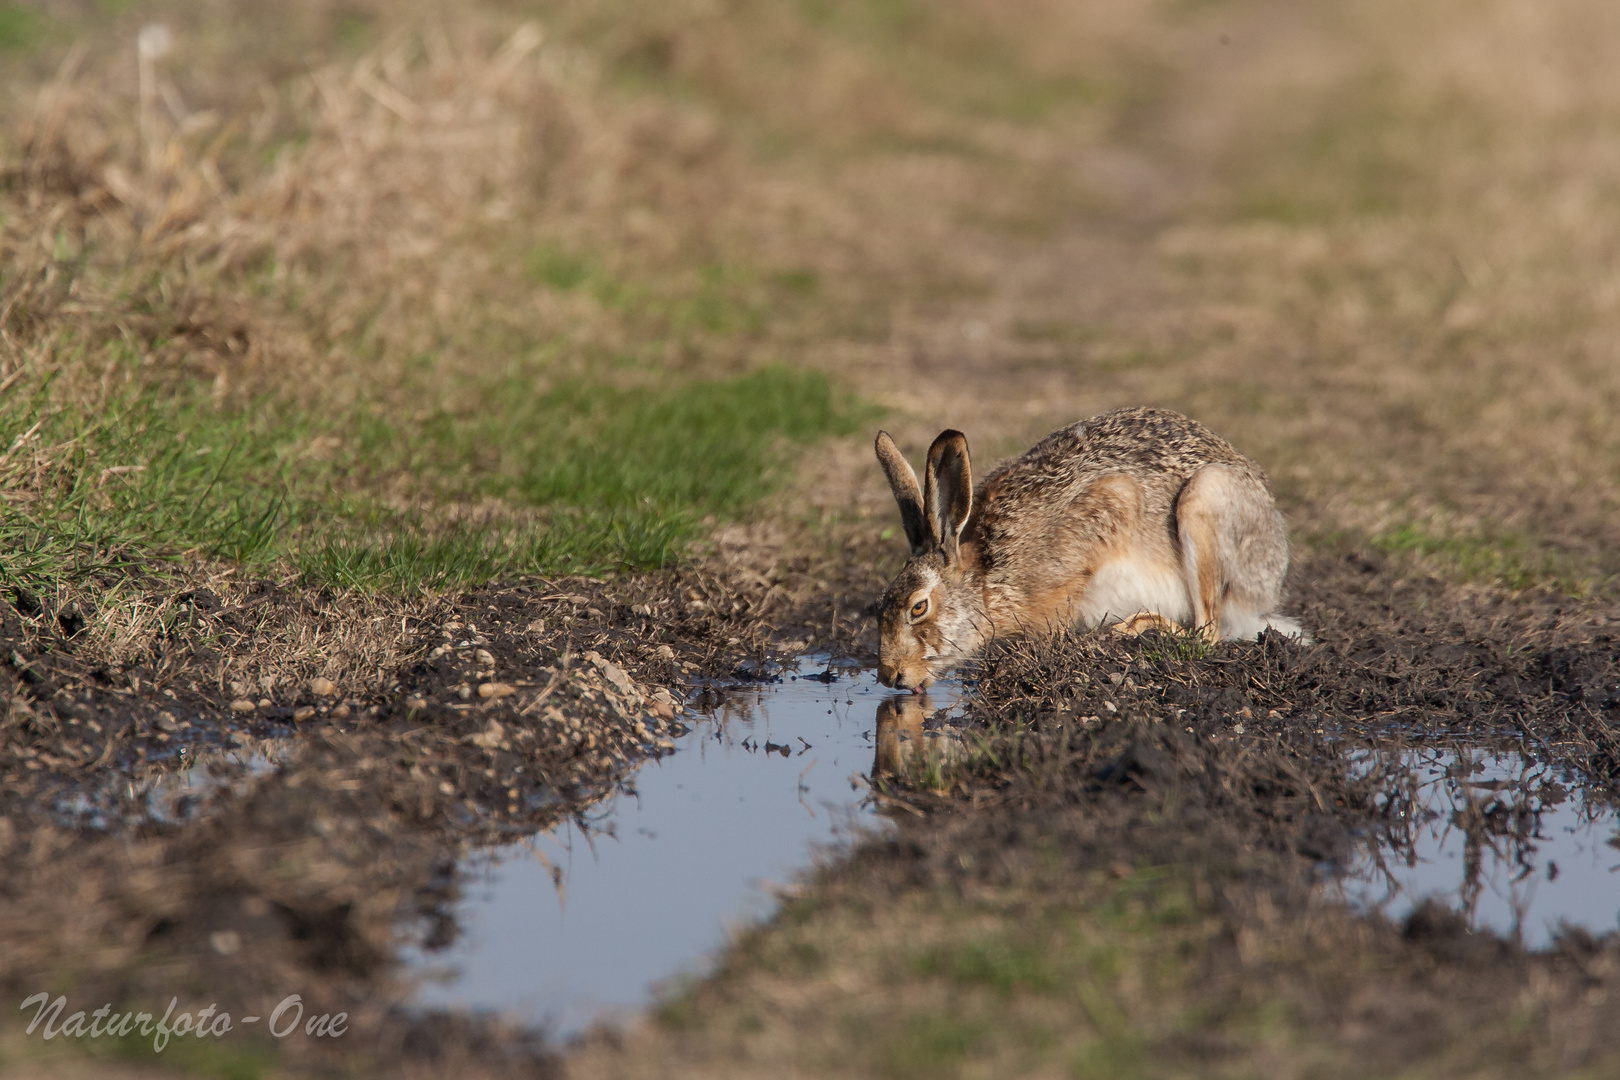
(1137, 625)
(1234, 553)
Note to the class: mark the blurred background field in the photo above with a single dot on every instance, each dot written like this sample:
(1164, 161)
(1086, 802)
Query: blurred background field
(398, 295)
(404, 297)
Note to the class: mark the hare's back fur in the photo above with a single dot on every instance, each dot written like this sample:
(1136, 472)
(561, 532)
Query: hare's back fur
(1137, 510)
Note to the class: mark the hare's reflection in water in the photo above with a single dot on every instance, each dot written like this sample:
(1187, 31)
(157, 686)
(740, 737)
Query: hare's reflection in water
(902, 747)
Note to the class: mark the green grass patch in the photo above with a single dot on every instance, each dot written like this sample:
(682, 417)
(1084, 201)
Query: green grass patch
(695, 447)
(711, 300)
(19, 27)
(1175, 646)
(557, 268)
(1499, 558)
(1113, 1058)
(146, 471)
(405, 554)
(1004, 966)
(1366, 150)
(1109, 962)
(236, 1055)
(588, 479)
(943, 54)
(931, 1045)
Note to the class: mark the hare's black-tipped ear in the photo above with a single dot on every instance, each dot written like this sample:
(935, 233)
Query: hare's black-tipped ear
(948, 491)
(903, 482)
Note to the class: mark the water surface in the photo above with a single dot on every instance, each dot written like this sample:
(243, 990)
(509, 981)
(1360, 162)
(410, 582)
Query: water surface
(585, 921)
(1504, 839)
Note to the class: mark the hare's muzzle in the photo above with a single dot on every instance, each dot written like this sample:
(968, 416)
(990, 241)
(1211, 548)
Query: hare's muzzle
(897, 678)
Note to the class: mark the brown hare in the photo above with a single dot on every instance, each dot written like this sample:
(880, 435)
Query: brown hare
(1139, 518)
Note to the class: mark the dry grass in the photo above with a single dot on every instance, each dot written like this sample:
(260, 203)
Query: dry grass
(1371, 244)
(388, 217)
(1371, 248)
(395, 299)
(1375, 257)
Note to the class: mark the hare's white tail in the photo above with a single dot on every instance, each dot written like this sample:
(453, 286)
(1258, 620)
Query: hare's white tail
(1238, 624)
(1289, 627)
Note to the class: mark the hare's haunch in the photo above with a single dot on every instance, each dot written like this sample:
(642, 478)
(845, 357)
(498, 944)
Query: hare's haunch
(1139, 518)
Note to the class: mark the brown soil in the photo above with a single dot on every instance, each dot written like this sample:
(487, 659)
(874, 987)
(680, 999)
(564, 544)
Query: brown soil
(302, 880)
(1251, 775)
(305, 878)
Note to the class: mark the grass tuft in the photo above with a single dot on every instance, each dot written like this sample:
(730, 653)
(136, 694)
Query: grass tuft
(1174, 647)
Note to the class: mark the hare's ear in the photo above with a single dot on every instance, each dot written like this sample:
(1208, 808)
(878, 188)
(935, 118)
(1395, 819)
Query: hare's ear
(903, 482)
(948, 491)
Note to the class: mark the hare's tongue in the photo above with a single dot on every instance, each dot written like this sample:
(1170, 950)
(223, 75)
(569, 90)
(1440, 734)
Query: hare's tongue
(918, 690)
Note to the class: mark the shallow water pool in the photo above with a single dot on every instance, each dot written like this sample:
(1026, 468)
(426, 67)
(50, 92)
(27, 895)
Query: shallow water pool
(1502, 838)
(584, 922)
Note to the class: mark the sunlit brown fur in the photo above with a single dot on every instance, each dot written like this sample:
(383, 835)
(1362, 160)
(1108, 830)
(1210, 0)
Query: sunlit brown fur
(1135, 511)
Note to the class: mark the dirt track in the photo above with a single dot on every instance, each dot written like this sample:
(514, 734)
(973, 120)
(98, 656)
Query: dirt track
(1371, 250)
(373, 808)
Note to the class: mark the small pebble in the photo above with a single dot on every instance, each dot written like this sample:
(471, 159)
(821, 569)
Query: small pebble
(484, 658)
(242, 705)
(495, 690)
(225, 942)
(612, 672)
(343, 710)
(166, 722)
(412, 703)
(265, 703)
(322, 687)
(303, 712)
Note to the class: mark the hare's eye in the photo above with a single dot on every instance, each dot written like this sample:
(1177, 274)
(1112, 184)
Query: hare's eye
(920, 608)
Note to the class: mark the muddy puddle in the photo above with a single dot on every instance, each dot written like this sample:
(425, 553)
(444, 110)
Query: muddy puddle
(1504, 839)
(181, 788)
(584, 922)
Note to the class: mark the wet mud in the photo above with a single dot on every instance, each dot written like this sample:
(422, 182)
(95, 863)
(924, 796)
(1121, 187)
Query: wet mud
(1425, 725)
(258, 853)
(301, 843)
